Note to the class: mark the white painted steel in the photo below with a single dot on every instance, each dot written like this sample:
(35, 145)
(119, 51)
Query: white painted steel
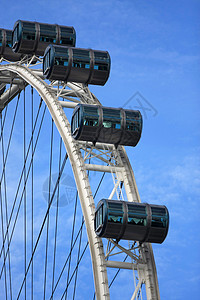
(122, 172)
(123, 265)
(101, 168)
(67, 104)
(136, 290)
(114, 190)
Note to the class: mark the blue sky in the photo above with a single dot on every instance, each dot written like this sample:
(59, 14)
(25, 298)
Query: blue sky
(154, 48)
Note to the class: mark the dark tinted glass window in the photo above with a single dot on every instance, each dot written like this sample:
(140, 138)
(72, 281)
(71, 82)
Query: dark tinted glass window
(76, 120)
(101, 67)
(16, 34)
(46, 61)
(159, 217)
(115, 217)
(137, 215)
(1, 38)
(29, 31)
(61, 56)
(101, 61)
(81, 59)
(61, 61)
(88, 121)
(133, 121)
(101, 56)
(67, 36)
(90, 116)
(115, 212)
(8, 38)
(111, 118)
(99, 216)
(48, 33)
(115, 206)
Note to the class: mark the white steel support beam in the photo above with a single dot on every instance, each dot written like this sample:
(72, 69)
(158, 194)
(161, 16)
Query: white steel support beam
(67, 104)
(38, 72)
(123, 265)
(102, 168)
(137, 289)
(114, 189)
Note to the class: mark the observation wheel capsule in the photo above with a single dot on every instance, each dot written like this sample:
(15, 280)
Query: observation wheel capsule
(141, 222)
(76, 65)
(33, 37)
(106, 125)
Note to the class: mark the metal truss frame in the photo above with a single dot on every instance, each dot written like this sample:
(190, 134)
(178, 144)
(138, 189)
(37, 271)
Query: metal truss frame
(82, 154)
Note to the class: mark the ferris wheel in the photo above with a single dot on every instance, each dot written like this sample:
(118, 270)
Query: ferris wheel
(45, 253)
